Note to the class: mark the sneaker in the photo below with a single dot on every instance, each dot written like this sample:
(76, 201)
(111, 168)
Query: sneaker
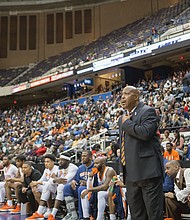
(35, 216)
(70, 217)
(47, 213)
(16, 210)
(6, 208)
(51, 217)
(168, 219)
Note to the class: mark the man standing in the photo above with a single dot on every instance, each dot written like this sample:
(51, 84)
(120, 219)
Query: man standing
(25, 193)
(141, 156)
(177, 202)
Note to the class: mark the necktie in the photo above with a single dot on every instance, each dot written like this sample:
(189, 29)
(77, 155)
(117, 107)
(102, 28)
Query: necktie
(123, 149)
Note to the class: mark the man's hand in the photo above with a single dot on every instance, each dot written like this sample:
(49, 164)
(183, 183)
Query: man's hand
(82, 182)
(73, 184)
(119, 183)
(53, 175)
(9, 184)
(111, 183)
(60, 180)
(169, 195)
(33, 183)
(8, 179)
(84, 193)
(24, 189)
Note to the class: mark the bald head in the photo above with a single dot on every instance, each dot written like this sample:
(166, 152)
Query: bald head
(130, 97)
(174, 163)
(100, 163)
(100, 159)
(172, 168)
(132, 90)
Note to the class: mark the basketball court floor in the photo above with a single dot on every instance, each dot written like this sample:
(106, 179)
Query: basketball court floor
(9, 216)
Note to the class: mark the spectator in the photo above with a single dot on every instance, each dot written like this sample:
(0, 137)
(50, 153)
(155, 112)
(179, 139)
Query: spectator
(168, 184)
(186, 152)
(166, 136)
(186, 83)
(170, 153)
(178, 142)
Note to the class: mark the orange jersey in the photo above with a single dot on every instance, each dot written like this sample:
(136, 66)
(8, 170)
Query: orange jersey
(173, 156)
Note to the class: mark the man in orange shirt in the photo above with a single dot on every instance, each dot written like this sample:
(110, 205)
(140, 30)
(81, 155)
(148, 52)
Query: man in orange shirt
(171, 154)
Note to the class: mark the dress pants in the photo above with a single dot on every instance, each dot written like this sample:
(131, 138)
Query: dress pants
(145, 199)
(174, 208)
(28, 197)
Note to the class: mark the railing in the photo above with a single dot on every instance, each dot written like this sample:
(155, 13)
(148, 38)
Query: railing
(96, 139)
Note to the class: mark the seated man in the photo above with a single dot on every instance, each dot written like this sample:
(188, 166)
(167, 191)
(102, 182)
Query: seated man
(77, 185)
(176, 203)
(105, 174)
(170, 153)
(15, 183)
(168, 182)
(10, 171)
(40, 186)
(25, 194)
(66, 173)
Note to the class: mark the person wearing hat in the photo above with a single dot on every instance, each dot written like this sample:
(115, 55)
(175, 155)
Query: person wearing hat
(41, 186)
(57, 182)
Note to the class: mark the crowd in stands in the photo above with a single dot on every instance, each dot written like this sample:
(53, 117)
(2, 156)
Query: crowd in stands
(147, 30)
(38, 130)
(34, 130)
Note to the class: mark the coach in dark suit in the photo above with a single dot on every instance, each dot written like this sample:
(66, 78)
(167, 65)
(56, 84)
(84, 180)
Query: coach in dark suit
(144, 163)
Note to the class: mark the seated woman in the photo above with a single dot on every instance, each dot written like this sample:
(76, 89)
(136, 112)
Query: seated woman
(178, 143)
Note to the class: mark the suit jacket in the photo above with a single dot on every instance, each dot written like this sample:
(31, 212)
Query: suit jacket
(142, 147)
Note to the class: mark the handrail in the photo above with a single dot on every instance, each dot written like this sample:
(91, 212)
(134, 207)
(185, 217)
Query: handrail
(101, 141)
(96, 139)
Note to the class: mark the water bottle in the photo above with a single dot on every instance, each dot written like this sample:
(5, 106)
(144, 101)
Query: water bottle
(113, 180)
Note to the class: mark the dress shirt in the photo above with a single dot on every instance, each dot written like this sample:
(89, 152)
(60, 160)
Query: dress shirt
(181, 195)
